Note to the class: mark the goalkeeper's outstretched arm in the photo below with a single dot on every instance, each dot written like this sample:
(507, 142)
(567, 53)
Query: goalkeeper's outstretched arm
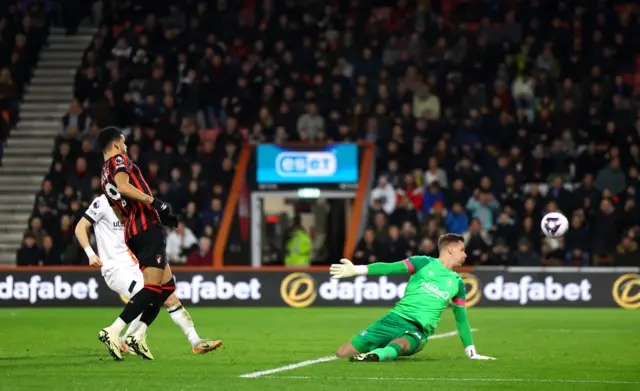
(346, 269)
(458, 305)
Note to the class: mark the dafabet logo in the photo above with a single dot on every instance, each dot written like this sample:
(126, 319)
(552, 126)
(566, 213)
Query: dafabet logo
(626, 291)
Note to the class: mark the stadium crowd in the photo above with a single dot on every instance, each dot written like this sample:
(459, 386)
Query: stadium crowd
(23, 30)
(485, 115)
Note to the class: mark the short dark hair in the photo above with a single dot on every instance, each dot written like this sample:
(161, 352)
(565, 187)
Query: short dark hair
(107, 136)
(447, 239)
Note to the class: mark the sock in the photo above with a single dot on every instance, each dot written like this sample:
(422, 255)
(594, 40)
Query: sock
(117, 326)
(140, 331)
(181, 317)
(151, 312)
(132, 328)
(151, 293)
(389, 352)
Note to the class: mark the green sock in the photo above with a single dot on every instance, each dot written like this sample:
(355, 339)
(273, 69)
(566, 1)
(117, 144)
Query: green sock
(389, 352)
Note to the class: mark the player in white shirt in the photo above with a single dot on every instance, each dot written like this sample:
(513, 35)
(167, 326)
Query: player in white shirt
(121, 272)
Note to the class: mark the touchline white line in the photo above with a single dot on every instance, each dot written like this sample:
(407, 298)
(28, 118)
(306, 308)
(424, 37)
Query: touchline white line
(461, 379)
(324, 359)
(289, 367)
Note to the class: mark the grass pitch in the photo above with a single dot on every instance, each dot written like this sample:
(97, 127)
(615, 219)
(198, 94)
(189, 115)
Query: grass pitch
(537, 349)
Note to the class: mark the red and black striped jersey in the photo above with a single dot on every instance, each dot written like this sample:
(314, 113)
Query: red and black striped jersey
(139, 215)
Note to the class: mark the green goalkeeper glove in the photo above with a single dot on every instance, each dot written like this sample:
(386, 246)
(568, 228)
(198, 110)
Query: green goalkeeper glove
(346, 269)
(472, 354)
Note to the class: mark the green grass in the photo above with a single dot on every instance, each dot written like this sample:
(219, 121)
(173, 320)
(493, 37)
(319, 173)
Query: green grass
(57, 349)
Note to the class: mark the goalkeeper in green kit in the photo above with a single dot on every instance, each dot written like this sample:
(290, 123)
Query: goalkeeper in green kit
(405, 329)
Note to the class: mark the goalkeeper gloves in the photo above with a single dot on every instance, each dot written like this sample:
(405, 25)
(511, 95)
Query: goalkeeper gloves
(167, 218)
(346, 269)
(472, 354)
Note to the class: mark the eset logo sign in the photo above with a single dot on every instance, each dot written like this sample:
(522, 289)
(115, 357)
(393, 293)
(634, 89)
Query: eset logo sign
(302, 164)
(337, 163)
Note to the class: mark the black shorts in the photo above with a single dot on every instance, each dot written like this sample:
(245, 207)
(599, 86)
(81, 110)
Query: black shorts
(149, 247)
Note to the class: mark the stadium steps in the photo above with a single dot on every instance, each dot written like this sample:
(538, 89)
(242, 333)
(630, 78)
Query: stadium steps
(28, 154)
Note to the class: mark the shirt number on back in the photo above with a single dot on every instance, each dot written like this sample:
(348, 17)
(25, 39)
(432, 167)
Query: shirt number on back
(114, 194)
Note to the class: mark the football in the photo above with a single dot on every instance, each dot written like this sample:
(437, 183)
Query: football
(554, 224)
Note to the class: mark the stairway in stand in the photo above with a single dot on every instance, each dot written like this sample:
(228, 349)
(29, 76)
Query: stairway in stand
(29, 152)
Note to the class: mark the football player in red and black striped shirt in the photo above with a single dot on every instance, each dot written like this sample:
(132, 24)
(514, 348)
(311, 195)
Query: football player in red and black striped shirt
(127, 191)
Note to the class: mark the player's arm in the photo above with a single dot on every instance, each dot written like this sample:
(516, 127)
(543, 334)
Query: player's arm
(121, 177)
(82, 229)
(458, 305)
(128, 190)
(347, 269)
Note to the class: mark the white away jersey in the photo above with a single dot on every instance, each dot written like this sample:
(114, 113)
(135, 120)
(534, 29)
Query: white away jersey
(109, 233)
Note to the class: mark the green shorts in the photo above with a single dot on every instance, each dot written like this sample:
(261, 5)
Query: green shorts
(385, 330)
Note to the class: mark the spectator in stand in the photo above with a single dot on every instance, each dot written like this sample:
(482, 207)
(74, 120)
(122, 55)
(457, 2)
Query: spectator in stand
(213, 215)
(398, 246)
(405, 213)
(50, 255)
(435, 174)
(523, 94)
(368, 250)
(65, 243)
(627, 251)
(457, 220)
(432, 195)
(75, 117)
(611, 177)
(202, 254)
(180, 243)
(526, 256)
(483, 207)
(36, 230)
(577, 242)
(29, 254)
(9, 99)
(477, 242)
(385, 194)
(607, 232)
(310, 124)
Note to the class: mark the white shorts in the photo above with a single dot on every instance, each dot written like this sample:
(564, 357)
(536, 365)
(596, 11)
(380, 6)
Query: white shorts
(124, 280)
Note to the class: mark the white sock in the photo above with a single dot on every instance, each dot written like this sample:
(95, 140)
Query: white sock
(181, 317)
(141, 331)
(132, 327)
(117, 326)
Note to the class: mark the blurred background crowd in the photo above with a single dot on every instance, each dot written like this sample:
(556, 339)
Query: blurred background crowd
(485, 116)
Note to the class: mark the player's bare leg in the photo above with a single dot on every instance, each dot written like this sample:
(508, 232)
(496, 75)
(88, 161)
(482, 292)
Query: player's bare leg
(153, 280)
(403, 346)
(347, 350)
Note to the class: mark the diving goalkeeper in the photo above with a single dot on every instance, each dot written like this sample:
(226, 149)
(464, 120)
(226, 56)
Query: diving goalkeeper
(405, 329)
